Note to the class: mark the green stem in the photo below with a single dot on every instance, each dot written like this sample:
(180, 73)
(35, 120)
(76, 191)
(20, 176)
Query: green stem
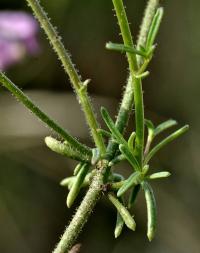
(128, 97)
(69, 68)
(42, 116)
(137, 85)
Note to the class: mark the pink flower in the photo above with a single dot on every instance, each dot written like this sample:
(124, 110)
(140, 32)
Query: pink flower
(18, 37)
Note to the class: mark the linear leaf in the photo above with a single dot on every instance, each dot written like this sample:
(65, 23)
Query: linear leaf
(128, 219)
(133, 180)
(164, 126)
(167, 140)
(129, 156)
(151, 210)
(74, 191)
(154, 28)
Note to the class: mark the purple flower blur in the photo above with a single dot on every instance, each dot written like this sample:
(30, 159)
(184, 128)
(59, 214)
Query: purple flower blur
(18, 31)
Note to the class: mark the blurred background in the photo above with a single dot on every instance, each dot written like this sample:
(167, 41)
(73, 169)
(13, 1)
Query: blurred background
(33, 213)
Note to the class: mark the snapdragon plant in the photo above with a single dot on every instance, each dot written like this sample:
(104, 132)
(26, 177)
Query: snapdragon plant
(96, 165)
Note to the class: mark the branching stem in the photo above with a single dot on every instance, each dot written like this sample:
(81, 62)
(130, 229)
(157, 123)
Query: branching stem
(42, 116)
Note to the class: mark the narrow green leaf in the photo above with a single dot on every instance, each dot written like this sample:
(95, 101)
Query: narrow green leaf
(161, 174)
(128, 219)
(142, 75)
(111, 125)
(133, 195)
(116, 160)
(117, 177)
(124, 49)
(164, 126)
(116, 185)
(151, 210)
(119, 225)
(77, 168)
(77, 185)
(67, 181)
(133, 180)
(149, 124)
(129, 156)
(95, 156)
(131, 141)
(145, 169)
(154, 28)
(64, 148)
(167, 140)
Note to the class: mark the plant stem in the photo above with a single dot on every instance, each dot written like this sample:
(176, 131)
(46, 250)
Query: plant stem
(76, 145)
(69, 68)
(128, 97)
(137, 85)
(83, 212)
(121, 122)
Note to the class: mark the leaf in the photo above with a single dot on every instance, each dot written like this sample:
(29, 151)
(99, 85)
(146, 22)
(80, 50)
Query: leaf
(116, 160)
(158, 175)
(128, 219)
(164, 126)
(133, 195)
(155, 25)
(167, 140)
(151, 210)
(117, 177)
(149, 124)
(64, 148)
(124, 49)
(133, 180)
(95, 156)
(111, 125)
(131, 141)
(129, 156)
(77, 168)
(77, 184)
(119, 225)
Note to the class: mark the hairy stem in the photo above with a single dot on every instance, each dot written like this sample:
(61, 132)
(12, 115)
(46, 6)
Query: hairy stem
(69, 68)
(42, 116)
(121, 122)
(83, 212)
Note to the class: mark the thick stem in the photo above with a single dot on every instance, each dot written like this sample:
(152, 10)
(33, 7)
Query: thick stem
(66, 61)
(83, 212)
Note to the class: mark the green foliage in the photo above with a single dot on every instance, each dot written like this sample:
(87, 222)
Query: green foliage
(94, 167)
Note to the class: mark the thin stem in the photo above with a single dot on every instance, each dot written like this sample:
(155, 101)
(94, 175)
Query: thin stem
(42, 116)
(137, 86)
(66, 61)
